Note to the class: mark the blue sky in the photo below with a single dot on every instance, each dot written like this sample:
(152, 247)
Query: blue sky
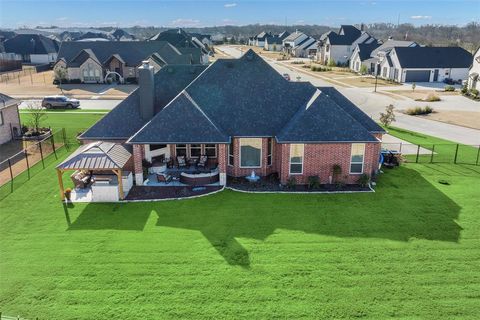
(82, 13)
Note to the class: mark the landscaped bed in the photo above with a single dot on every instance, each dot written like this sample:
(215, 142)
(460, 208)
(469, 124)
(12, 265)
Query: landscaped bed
(409, 250)
(170, 192)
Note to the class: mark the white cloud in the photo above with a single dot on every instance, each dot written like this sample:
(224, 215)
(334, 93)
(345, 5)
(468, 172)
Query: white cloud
(62, 19)
(185, 23)
(420, 17)
(230, 5)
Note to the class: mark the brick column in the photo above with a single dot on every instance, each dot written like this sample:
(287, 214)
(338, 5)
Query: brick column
(284, 166)
(137, 163)
(222, 163)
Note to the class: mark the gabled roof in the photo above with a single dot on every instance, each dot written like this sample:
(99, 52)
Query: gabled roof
(389, 44)
(116, 56)
(6, 101)
(433, 57)
(365, 49)
(97, 155)
(31, 44)
(284, 34)
(246, 97)
(125, 119)
(273, 40)
(83, 56)
(293, 36)
(132, 52)
(345, 36)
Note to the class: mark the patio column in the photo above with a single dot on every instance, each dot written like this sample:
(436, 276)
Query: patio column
(137, 163)
(222, 163)
(120, 183)
(60, 184)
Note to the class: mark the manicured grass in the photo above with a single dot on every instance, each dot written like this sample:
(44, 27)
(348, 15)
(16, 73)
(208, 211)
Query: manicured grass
(73, 123)
(410, 250)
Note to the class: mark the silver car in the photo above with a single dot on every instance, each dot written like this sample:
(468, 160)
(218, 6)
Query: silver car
(52, 102)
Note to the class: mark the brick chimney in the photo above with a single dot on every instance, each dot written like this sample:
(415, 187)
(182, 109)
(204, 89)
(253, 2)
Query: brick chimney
(146, 89)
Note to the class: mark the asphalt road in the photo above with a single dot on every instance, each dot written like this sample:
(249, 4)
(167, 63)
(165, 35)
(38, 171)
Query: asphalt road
(90, 104)
(373, 103)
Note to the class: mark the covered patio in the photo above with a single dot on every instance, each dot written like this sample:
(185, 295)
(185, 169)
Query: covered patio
(102, 172)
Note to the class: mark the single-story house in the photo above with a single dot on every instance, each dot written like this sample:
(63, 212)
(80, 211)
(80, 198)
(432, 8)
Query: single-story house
(92, 62)
(474, 72)
(338, 47)
(9, 118)
(34, 48)
(426, 64)
(239, 116)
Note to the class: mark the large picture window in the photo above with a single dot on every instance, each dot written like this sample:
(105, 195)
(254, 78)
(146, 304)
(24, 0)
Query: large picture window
(357, 156)
(181, 150)
(211, 150)
(195, 150)
(250, 152)
(296, 158)
(269, 151)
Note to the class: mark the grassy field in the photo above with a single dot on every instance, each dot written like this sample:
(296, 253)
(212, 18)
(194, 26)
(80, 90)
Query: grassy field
(409, 250)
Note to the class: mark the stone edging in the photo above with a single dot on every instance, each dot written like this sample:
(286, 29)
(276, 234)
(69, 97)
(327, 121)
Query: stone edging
(169, 199)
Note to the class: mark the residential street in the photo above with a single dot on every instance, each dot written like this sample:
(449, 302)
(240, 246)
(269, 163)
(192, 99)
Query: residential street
(373, 103)
(90, 104)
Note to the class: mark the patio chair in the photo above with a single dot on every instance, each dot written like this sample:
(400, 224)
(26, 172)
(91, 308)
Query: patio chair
(181, 161)
(162, 177)
(80, 179)
(202, 162)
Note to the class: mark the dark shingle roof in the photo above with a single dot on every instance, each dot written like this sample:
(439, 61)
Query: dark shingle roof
(6, 101)
(132, 52)
(365, 49)
(30, 44)
(390, 43)
(82, 56)
(246, 97)
(346, 35)
(274, 40)
(433, 57)
(349, 107)
(125, 119)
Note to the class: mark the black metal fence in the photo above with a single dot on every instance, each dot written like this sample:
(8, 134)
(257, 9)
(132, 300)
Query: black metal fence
(454, 153)
(32, 159)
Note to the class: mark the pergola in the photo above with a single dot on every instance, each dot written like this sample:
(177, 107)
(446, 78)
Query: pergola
(100, 156)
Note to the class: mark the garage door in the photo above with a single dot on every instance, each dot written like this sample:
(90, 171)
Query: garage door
(417, 76)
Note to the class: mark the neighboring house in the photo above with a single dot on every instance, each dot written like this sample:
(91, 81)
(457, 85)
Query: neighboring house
(292, 40)
(34, 48)
(275, 42)
(9, 119)
(10, 61)
(121, 35)
(474, 72)
(260, 38)
(426, 64)
(181, 39)
(338, 47)
(245, 117)
(380, 54)
(92, 62)
(206, 39)
(360, 56)
(299, 45)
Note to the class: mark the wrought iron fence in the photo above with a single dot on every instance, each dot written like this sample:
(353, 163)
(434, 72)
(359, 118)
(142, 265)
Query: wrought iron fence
(436, 153)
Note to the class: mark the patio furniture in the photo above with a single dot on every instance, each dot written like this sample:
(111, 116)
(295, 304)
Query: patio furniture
(198, 179)
(202, 162)
(165, 178)
(192, 161)
(80, 179)
(181, 161)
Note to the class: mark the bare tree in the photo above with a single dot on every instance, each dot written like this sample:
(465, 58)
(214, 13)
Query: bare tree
(387, 117)
(37, 114)
(60, 75)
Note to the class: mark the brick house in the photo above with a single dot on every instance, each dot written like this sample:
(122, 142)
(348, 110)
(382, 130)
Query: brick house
(9, 119)
(245, 117)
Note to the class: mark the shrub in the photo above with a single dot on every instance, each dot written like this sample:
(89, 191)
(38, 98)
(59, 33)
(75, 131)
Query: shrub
(313, 182)
(291, 183)
(298, 62)
(419, 111)
(363, 69)
(449, 88)
(431, 97)
(363, 180)
(464, 90)
(331, 63)
(474, 92)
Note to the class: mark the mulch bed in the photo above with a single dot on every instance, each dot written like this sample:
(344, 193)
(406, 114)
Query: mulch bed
(271, 185)
(159, 193)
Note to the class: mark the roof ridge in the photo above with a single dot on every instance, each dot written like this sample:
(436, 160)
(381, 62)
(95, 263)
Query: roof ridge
(189, 97)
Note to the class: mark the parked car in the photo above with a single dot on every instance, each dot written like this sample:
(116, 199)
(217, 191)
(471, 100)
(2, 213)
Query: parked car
(52, 102)
(286, 76)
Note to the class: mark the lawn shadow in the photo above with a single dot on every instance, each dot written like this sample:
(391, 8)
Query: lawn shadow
(110, 216)
(405, 206)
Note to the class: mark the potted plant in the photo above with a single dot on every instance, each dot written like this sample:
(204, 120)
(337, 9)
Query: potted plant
(68, 194)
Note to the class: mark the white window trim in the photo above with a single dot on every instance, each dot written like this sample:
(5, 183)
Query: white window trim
(228, 156)
(204, 149)
(363, 159)
(290, 159)
(189, 151)
(240, 153)
(186, 150)
(271, 152)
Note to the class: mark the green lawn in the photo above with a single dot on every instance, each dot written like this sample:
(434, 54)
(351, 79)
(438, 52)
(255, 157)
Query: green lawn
(410, 250)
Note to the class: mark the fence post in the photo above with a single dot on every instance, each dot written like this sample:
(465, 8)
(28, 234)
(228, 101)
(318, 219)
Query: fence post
(41, 154)
(456, 153)
(431, 157)
(53, 146)
(28, 164)
(418, 151)
(400, 148)
(478, 155)
(64, 134)
(11, 174)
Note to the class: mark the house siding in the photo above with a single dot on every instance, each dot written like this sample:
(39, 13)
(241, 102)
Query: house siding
(11, 120)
